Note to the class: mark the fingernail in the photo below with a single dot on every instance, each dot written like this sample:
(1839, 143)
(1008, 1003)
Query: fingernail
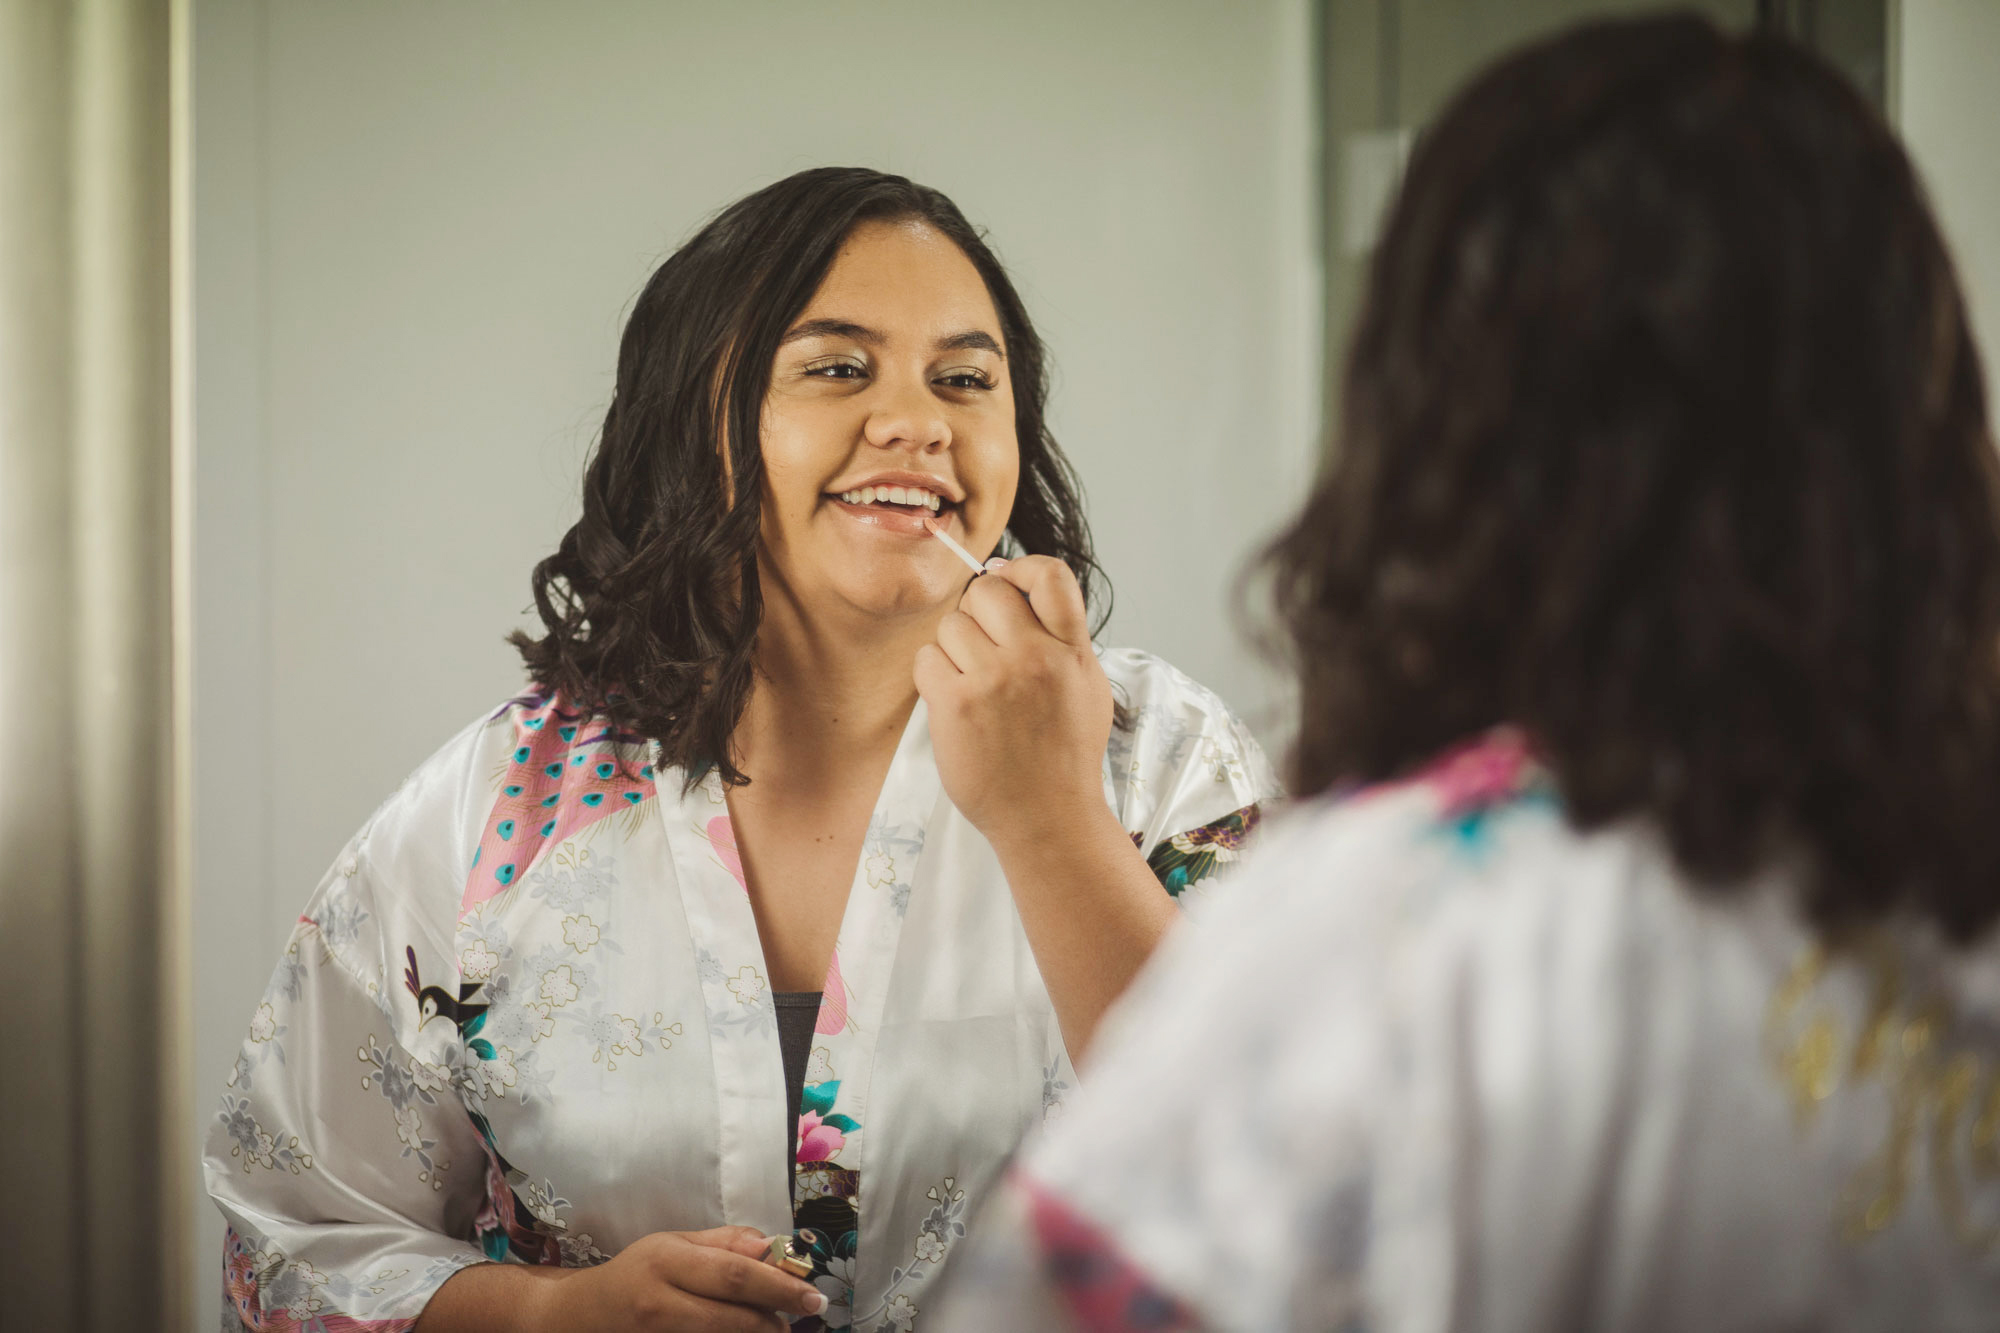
(816, 1303)
(995, 563)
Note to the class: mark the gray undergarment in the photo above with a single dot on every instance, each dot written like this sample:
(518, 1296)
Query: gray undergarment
(798, 1015)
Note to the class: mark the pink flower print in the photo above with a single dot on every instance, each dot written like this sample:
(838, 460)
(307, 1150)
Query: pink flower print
(722, 838)
(818, 1141)
(832, 1000)
(1483, 773)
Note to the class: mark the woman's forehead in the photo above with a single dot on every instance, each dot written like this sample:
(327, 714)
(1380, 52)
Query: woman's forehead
(903, 279)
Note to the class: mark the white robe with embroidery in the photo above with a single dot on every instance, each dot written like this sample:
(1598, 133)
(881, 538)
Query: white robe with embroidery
(525, 1017)
(1437, 1061)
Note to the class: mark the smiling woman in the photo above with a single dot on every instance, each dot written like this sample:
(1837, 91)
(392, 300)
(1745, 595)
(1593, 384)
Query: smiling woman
(658, 586)
(784, 898)
(929, 369)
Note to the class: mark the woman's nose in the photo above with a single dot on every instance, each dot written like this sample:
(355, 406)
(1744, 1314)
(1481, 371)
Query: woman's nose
(908, 416)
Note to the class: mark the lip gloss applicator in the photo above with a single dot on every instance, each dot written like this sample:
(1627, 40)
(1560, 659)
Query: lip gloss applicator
(957, 550)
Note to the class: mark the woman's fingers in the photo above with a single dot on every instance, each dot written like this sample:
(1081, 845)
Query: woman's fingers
(742, 1240)
(681, 1282)
(933, 671)
(724, 1273)
(966, 642)
(1000, 609)
(691, 1313)
(1052, 593)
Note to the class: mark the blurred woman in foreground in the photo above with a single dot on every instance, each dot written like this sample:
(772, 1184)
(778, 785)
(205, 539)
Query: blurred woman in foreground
(1634, 966)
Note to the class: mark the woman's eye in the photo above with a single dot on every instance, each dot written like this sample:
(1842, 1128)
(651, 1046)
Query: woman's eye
(836, 370)
(966, 379)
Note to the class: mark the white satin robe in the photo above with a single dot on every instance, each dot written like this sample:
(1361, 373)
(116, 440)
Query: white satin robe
(525, 1017)
(1441, 1063)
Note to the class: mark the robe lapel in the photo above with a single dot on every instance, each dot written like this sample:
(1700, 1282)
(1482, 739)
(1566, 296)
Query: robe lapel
(736, 997)
(742, 1019)
(834, 1116)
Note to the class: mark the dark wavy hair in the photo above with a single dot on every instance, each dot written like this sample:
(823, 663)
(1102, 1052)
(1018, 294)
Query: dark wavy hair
(1663, 438)
(651, 602)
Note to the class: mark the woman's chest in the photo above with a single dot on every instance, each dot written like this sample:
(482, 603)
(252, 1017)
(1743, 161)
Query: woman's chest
(627, 1062)
(797, 858)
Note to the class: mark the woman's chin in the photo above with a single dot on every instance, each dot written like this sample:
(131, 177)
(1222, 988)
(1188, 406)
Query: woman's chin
(895, 600)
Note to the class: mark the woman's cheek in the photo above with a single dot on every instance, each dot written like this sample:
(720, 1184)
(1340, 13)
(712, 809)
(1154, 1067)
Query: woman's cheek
(1003, 501)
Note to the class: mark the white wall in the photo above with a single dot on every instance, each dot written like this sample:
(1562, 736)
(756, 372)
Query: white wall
(418, 228)
(1948, 90)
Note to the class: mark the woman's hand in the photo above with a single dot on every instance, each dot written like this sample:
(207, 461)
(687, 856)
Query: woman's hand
(672, 1281)
(1020, 710)
(711, 1281)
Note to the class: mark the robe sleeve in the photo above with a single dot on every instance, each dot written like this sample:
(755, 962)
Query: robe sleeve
(350, 1172)
(1226, 1169)
(1035, 1262)
(1190, 782)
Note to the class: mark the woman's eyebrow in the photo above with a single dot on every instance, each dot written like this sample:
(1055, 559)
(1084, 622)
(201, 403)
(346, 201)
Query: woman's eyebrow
(834, 328)
(970, 339)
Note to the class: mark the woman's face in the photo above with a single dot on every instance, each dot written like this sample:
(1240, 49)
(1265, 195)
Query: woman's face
(889, 402)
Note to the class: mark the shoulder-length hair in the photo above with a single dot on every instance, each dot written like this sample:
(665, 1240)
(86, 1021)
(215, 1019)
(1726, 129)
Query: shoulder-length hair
(651, 603)
(1664, 439)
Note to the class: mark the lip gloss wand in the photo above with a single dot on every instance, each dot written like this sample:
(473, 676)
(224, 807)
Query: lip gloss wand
(957, 550)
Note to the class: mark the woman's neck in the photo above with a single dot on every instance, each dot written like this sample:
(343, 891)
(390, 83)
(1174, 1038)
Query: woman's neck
(833, 693)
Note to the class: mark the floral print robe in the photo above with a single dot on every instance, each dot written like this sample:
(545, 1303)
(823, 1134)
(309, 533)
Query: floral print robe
(1453, 1065)
(525, 1019)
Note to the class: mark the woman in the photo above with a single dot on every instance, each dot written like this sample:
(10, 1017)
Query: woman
(789, 802)
(1634, 967)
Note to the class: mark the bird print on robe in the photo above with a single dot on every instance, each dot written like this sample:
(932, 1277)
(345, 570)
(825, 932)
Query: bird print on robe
(437, 1002)
(1189, 858)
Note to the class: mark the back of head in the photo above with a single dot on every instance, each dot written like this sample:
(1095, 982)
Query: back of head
(1663, 438)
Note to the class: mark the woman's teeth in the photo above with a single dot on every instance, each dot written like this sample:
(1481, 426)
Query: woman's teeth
(895, 495)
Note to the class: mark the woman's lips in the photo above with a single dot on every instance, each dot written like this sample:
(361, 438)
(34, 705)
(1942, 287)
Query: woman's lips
(906, 520)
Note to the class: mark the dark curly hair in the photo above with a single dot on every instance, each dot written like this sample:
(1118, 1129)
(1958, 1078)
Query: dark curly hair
(651, 602)
(1663, 438)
